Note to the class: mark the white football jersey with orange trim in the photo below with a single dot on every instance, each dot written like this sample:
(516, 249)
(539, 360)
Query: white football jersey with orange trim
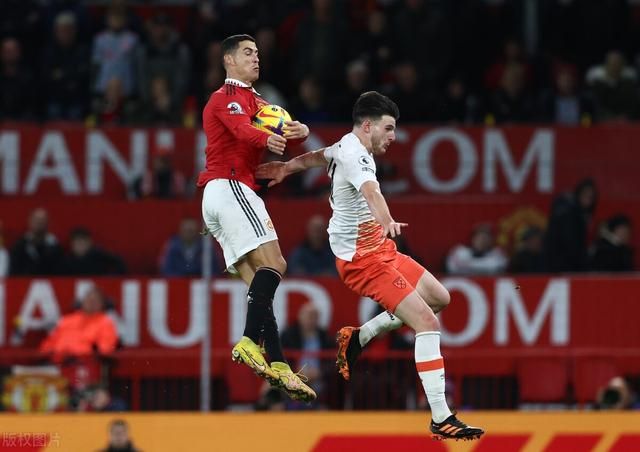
(352, 228)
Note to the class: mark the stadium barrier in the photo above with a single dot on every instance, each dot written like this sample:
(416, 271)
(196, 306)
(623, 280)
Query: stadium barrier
(457, 176)
(324, 432)
(500, 337)
(529, 162)
(149, 224)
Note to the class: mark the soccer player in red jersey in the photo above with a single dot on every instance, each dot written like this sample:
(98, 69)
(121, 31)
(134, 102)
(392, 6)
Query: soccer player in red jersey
(367, 260)
(237, 217)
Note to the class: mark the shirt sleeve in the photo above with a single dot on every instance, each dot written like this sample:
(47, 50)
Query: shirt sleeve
(231, 111)
(358, 167)
(327, 153)
(107, 339)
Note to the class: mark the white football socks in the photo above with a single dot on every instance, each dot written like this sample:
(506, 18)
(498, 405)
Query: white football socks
(383, 322)
(430, 366)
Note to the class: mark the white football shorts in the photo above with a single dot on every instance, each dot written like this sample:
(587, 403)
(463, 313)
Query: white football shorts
(237, 218)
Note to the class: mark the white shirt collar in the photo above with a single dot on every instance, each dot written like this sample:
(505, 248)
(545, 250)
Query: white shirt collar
(235, 82)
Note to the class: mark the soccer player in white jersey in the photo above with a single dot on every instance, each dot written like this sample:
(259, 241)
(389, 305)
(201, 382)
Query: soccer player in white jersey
(367, 260)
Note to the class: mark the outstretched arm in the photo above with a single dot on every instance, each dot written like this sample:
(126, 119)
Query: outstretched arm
(379, 209)
(277, 171)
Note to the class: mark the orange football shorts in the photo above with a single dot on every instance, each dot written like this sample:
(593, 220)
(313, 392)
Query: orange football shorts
(385, 275)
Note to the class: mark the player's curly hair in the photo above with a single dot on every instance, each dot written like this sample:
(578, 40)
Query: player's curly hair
(373, 105)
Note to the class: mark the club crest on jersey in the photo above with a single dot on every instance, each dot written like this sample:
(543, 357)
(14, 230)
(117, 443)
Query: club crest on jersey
(400, 283)
(235, 108)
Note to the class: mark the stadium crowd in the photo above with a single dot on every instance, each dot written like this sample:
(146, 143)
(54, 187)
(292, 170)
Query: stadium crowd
(469, 61)
(144, 63)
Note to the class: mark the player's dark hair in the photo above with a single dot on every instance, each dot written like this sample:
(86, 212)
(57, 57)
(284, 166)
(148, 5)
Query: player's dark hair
(118, 423)
(373, 105)
(230, 44)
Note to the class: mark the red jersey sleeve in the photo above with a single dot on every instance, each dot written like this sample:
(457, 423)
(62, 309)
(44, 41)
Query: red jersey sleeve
(232, 112)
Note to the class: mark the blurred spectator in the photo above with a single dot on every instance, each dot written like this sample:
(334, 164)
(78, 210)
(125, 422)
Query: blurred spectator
(4, 255)
(564, 104)
(97, 398)
(320, 43)
(612, 252)
(313, 257)
(423, 36)
(272, 66)
(82, 333)
(182, 254)
(528, 256)
(271, 94)
(211, 75)
(456, 104)
(513, 55)
(113, 55)
(511, 102)
(310, 107)
(37, 252)
(125, 8)
(119, 440)
(480, 257)
(162, 181)
(374, 46)
(408, 93)
(357, 81)
(204, 27)
(78, 10)
(212, 79)
(565, 243)
(22, 19)
(163, 56)
(308, 337)
(17, 86)
(112, 107)
(617, 395)
(66, 72)
(87, 259)
(615, 89)
(159, 108)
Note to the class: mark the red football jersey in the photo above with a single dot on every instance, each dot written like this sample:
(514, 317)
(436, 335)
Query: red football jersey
(234, 146)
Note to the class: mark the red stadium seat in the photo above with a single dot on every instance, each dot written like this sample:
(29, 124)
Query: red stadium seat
(244, 385)
(589, 375)
(543, 380)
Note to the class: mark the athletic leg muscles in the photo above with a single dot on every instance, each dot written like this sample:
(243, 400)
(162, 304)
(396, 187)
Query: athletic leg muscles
(433, 292)
(267, 255)
(413, 311)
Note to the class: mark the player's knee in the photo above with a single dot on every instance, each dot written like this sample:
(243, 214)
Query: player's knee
(429, 321)
(443, 299)
(426, 320)
(279, 264)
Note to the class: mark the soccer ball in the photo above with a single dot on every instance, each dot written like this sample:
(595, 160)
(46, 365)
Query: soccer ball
(271, 119)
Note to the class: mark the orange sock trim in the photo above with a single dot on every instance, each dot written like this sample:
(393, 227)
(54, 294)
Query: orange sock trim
(434, 364)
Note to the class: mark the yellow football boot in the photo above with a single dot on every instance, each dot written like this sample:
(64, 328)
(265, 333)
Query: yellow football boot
(292, 383)
(249, 353)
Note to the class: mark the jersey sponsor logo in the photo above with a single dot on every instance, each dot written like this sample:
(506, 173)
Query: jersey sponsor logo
(400, 283)
(235, 108)
(367, 169)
